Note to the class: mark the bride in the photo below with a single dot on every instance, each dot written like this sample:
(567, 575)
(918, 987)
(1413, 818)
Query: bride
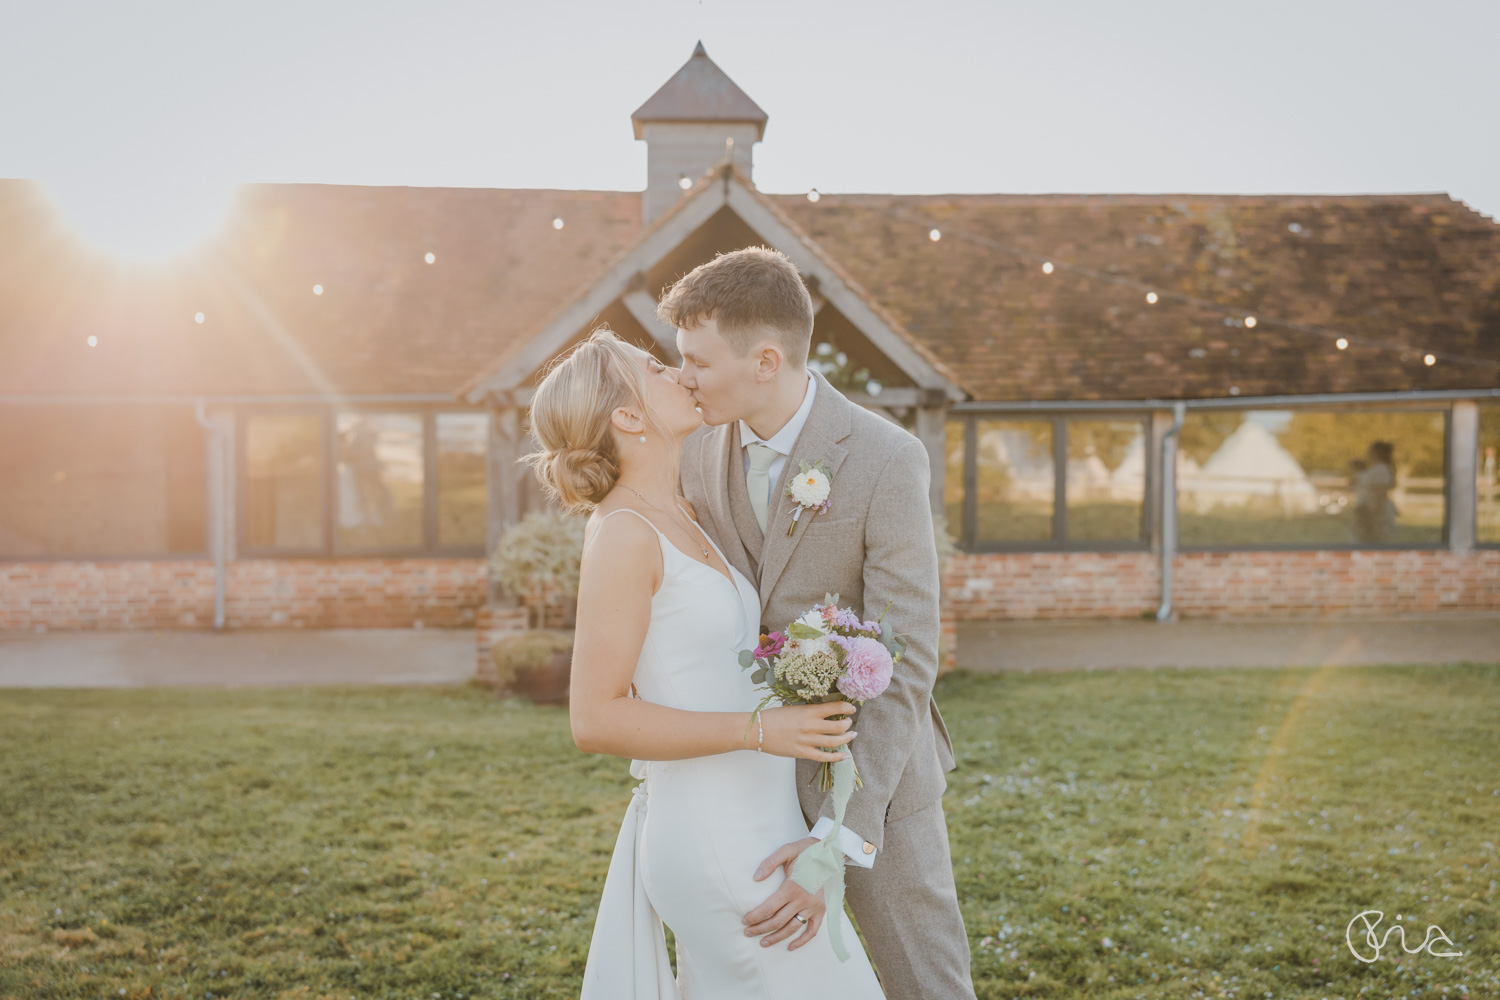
(656, 677)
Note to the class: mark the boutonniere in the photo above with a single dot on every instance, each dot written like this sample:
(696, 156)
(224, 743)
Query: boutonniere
(809, 490)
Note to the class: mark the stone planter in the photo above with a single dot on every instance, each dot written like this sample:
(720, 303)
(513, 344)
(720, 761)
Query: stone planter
(536, 663)
(548, 684)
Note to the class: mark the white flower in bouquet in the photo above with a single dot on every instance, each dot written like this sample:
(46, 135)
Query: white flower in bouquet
(810, 647)
(815, 619)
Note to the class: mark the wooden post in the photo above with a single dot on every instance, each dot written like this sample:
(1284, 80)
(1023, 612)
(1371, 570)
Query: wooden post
(1463, 473)
(502, 474)
(502, 614)
(932, 429)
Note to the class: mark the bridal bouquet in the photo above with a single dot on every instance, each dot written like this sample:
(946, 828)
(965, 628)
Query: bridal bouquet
(828, 654)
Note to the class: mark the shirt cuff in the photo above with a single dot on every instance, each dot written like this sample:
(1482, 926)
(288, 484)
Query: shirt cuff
(856, 848)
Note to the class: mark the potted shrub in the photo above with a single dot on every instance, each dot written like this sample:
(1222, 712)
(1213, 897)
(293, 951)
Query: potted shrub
(537, 560)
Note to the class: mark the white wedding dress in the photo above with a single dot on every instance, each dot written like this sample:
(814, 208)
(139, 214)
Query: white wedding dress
(696, 829)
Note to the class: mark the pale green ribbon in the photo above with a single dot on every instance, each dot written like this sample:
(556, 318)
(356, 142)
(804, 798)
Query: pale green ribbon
(822, 864)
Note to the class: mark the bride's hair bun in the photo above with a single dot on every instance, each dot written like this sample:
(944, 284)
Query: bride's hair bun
(579, 462)
(579, 477)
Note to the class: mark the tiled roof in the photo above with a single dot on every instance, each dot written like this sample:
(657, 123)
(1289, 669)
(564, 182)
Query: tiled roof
(1421, 270)
(387, 322)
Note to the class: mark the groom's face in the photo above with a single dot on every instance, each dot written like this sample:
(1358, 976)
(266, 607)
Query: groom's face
(725, 386)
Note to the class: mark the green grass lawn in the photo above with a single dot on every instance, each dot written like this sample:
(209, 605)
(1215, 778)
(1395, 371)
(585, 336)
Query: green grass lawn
(1138, 834)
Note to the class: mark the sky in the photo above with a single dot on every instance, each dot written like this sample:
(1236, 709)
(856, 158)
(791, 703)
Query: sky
(161, 107)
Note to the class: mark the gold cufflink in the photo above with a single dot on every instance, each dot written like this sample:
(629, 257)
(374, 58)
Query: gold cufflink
(869, 847)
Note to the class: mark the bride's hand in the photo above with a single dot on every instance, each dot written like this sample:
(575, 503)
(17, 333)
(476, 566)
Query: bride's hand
(803, 730)
(776, 918)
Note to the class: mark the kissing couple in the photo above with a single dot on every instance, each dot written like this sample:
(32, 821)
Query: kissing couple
(697, 460)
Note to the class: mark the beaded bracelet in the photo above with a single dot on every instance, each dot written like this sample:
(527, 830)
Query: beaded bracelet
(760, 741)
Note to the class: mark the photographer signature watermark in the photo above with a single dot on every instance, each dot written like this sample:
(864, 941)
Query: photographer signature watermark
(1373, 945)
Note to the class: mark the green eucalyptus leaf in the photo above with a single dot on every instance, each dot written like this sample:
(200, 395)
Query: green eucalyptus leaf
(747, 657)
(797, 630)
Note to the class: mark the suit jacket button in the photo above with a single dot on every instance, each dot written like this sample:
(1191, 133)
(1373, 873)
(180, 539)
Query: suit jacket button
(869, 847)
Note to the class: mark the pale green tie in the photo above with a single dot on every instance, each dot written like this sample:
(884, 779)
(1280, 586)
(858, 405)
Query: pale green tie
(758, 479)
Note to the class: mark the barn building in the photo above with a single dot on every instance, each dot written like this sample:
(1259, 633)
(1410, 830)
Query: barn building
(1135, 405)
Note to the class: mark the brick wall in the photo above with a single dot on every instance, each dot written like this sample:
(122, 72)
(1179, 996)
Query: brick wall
(1229, 584)
(398, 593)
(260, 593)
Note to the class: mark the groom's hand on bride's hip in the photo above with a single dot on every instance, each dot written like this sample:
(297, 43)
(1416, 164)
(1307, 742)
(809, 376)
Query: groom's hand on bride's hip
(776, 918)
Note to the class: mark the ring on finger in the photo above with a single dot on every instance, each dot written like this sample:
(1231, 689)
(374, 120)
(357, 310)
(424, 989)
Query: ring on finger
(802, 918)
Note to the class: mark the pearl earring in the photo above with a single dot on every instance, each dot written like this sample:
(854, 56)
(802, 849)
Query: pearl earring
(643, 439)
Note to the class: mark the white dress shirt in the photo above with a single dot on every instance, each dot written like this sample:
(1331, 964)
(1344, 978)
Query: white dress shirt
(782, 440)
(855, 847)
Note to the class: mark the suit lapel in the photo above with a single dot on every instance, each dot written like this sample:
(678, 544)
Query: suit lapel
(742, 535)
(827, 424)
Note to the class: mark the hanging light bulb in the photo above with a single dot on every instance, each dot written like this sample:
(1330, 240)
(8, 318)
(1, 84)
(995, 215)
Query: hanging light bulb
(935, 235)
(1342, 344)
(317, 289)
(1151, 298)
(430, 258)
(1429, 360)
(557, 223)
(197, 317)
(93, 341)
(1250, 322)
(684, 182)
(813, 195)
(1047, 267)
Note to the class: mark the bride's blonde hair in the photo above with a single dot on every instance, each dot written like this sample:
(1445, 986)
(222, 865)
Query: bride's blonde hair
(579, 461)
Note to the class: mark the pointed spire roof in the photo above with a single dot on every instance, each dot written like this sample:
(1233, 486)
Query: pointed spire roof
(700, 92)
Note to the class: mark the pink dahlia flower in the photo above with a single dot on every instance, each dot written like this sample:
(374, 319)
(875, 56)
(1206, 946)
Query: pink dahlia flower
(867, 668)
(770, 645)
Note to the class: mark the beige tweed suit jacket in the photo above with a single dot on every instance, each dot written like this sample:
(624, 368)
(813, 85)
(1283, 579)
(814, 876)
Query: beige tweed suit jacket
(874, 545)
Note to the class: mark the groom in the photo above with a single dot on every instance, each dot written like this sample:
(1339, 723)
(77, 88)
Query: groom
(744, 324)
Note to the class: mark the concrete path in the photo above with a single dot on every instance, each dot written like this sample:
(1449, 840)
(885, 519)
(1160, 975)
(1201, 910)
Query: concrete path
(249, 658)
(1107, 645)
(292, 657)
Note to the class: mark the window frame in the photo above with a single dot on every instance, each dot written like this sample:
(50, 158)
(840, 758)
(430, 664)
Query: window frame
(968, 536)
(1441, 544)
(330, 549)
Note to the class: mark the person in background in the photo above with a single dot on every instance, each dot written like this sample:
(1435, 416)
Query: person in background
(1373, 517)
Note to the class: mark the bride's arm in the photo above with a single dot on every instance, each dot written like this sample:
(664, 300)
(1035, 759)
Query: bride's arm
(621, 570)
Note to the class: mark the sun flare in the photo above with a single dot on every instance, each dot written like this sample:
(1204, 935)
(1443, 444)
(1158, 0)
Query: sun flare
(138, 219)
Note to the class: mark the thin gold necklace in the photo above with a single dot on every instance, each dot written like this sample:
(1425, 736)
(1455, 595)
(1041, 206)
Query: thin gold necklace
(701, 547)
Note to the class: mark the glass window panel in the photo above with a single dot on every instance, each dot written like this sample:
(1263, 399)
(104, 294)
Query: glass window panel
(953, 477)
(1488, 505)
(283, 487)
(379, 480)
(1311, 478)
(123, 480)
(1105, 480)
(462, 509)
(1015, 483)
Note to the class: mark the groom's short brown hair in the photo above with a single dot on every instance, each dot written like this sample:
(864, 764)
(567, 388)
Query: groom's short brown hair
(752, 294)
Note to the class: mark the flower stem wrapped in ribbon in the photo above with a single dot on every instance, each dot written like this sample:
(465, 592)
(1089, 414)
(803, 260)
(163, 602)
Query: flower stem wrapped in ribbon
(829, 654)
